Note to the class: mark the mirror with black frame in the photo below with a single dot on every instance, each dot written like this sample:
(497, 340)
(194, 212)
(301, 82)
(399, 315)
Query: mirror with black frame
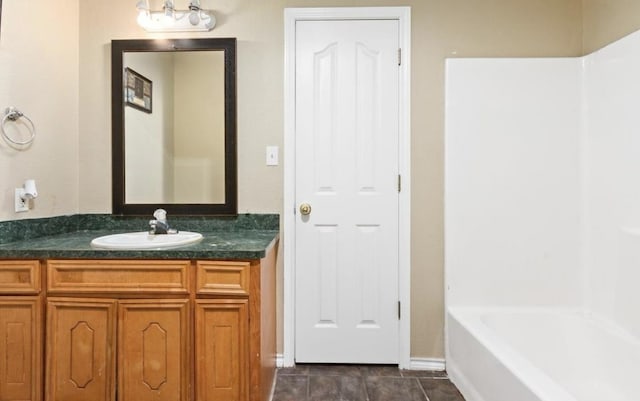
(174, 126)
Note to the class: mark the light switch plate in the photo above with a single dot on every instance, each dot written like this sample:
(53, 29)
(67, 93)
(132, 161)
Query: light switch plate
(272, 155)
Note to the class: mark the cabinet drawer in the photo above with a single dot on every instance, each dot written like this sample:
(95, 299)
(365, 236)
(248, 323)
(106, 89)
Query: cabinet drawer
(121, 276)
(222, 278)
(19, 277)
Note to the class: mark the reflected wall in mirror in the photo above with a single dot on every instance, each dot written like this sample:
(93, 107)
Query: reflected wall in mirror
(181, 156)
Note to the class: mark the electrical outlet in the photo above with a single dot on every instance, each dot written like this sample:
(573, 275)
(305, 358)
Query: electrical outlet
(21, 205)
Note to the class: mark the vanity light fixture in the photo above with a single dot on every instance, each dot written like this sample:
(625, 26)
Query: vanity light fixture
(169, 19)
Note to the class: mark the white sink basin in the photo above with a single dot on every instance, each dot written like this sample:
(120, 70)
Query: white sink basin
(144, 240)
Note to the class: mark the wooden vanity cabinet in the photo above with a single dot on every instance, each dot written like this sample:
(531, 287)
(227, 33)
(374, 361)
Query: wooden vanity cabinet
(20, 331)
(137, 330)
(131, 342)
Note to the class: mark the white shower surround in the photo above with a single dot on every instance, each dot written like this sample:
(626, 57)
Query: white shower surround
(542, 190)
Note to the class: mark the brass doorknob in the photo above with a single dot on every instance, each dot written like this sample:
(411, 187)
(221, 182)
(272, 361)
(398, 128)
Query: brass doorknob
(305, 209)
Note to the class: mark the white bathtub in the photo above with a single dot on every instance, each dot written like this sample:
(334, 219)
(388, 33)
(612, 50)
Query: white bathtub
(499, 354)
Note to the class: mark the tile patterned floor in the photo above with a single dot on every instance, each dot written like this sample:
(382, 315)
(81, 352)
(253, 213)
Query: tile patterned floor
(362, 383)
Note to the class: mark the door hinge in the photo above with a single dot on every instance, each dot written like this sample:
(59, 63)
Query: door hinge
(399, 183)
(399, 56)
(399, 310)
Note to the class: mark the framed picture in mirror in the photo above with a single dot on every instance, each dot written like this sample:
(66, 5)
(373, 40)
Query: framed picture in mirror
(137, 90)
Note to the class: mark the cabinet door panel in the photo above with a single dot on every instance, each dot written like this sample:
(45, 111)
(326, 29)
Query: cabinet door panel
(222, 350)
(153, 350)
(20, 349)
(80, 354)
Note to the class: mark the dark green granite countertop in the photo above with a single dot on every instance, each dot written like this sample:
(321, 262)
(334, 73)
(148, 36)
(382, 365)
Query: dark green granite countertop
(242, 237)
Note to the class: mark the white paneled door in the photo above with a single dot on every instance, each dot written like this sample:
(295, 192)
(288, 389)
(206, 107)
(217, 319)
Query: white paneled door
(347, 184)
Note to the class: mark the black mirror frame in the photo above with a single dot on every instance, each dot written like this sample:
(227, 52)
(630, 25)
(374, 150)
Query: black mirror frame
(118, 47)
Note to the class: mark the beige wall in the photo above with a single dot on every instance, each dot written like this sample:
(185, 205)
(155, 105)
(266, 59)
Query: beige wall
(608, 20)
(39, 76)
(39, 70)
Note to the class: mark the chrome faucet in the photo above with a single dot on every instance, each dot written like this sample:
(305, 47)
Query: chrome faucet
(159, 225)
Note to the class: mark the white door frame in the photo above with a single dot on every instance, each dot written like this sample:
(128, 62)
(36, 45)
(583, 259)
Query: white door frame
(291, 16)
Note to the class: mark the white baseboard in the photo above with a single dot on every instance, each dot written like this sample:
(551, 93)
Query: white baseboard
(427, 364)
(416, 363)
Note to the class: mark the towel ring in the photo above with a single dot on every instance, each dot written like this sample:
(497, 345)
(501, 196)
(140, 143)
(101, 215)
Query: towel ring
(13, 114)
